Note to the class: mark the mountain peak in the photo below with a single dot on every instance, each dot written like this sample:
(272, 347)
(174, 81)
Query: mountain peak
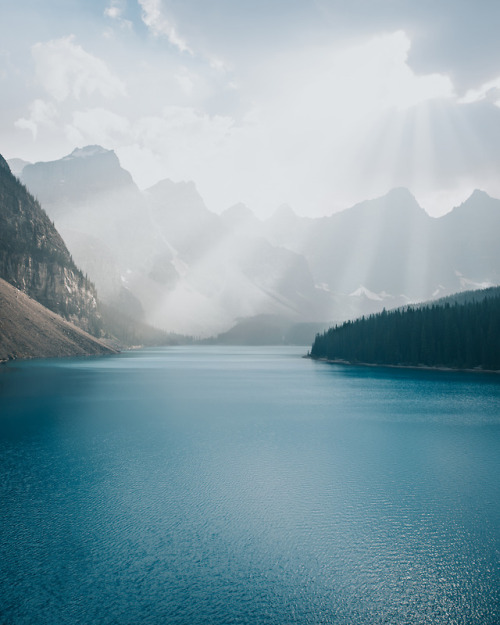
(17, 165)
(284, 213)
(399, 199)
(76, 177)
(479, 194)
(477, 200)
(478, 203)
(4, 164)
(179, 197)
(87, 151)
(400, 194)
(238, 212)
(239, 218)
(166, 185)
(396, 203)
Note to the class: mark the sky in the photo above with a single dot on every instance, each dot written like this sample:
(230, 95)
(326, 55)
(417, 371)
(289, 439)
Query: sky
(317, 104)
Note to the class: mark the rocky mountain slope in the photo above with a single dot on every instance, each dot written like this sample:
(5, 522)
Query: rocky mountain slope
(34, 257)
(29, 330)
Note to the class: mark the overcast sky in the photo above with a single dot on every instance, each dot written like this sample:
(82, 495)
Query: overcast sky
(314, 103)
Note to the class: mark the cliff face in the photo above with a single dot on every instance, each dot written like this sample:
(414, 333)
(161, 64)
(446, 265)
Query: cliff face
(34, 258)
(84, 173)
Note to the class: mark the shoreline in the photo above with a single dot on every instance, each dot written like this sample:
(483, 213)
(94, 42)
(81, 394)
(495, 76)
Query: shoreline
(340, 361)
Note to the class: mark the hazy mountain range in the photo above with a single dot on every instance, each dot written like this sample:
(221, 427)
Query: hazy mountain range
(161, 256)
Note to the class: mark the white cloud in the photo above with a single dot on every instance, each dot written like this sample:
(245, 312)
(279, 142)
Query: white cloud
(492, 87)
(41, 114)
(115, 12)
(302, 127)
(97, 125)
(185, 81)
(181, 143)
(65, 70)
(155, 20)
(313, 114)
(307, 137)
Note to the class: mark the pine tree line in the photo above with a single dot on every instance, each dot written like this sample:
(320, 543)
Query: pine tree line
(463, 336)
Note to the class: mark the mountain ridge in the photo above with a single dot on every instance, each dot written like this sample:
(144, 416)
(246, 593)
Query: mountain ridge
(194, 271)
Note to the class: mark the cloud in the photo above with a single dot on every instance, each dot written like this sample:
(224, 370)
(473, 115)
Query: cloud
(65, 70)
(490, 88)
(41, 114)
(307, 134)
(115, 10)
(318, 124)
(97, 125)
(152, 16)
(180, 143)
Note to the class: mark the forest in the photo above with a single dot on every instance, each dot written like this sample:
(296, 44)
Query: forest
(456, 335)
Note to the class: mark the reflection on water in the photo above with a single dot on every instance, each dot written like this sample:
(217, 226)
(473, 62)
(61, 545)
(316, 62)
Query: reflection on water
(247, 485)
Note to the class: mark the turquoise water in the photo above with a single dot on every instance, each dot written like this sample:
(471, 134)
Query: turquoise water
(247, 485)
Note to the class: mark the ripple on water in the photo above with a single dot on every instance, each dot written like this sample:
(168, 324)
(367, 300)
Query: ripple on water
(247, 486)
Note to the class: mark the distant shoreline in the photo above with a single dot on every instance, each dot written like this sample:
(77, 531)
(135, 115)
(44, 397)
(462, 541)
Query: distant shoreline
(339, 361)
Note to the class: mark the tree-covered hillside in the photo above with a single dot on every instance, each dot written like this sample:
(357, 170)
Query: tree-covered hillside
(463, 336)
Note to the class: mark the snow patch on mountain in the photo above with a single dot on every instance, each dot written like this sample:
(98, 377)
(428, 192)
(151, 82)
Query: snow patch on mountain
(362, 291)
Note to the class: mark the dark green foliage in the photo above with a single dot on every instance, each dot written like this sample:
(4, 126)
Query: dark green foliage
(465, 297)
(463, 336)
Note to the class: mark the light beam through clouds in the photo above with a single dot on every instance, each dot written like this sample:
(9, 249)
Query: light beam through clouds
(279, 105)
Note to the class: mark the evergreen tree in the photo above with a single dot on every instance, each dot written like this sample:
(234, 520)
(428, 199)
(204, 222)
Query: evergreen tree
(465, 335)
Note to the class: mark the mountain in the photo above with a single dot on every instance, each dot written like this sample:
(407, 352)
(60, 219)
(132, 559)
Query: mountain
(179, 213)
(29, 330)
(84, 173)
(17, 165)
(34, 258)
(163, 258)
(466, 297)
(220, 273)
(239, 219)
(269, 330)
(101, 215)
(388, 251)
(468, 238)
(378, 245)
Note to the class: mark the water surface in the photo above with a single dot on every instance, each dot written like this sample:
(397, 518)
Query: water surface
(223, 485)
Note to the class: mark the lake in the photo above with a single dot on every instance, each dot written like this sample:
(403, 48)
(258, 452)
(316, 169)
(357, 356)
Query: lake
(224, 485)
